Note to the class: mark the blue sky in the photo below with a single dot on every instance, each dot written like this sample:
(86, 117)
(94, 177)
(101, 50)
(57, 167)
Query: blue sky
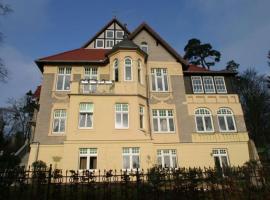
(240, 30)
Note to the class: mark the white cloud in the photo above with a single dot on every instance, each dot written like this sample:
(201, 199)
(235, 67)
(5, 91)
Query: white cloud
(24, 75)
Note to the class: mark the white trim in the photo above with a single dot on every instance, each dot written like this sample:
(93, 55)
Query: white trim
(121, 113)
(131, 69)
(131, 154)
(109, 40)
(167, 117)
(203, 120)
(114, 68)
(164, 72)
(106, 36)
(102, 43)
(59, 118)
(88, 113)
(88, 155)
(64, 74)
(219, 154)
(207, 78)
(226, 122)
(119, 37)
(170, 154)
(224, 84)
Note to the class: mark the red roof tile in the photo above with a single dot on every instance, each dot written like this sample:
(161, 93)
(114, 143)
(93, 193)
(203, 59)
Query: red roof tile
(37, 92)
(78, 55)
(196, 68)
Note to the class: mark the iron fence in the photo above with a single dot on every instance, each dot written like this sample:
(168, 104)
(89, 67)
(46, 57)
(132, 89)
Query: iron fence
(248, 182)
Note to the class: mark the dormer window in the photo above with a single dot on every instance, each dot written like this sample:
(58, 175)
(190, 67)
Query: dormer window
(109, 34)
(144, 47)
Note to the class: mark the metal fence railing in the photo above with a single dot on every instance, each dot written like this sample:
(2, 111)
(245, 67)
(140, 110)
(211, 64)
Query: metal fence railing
(248, 182)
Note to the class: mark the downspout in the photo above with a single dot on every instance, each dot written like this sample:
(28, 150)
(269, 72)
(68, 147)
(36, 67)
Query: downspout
(148, 107)
(38, 143)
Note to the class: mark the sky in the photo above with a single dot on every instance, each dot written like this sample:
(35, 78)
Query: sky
(239, 29)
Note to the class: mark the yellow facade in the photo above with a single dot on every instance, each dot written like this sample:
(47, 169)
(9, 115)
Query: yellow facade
(193, 149)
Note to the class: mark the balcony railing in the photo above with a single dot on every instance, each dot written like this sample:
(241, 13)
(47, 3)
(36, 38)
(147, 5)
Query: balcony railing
(88, 86)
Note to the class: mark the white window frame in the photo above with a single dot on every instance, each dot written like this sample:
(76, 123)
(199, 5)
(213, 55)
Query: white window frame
(90, 73)
(197, 78)
(220, 91)
(204, 112)
(226, 112)
(131, 70)
(102, 47)
(172, 153)
(141, 116)
(106, 43)
(86, 112)
(164, 73)
(89, 152)
(115, 67)
(107, 31)
(119, 37)
(65, 72)
(62, 116)
(219, 153)
(206, 85)
(144, 45)
(169, 114)
(121, 112)
(131, 151)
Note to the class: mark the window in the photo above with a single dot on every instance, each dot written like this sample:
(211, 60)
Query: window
(220, 158)
(99, 43)
(131, 158)
(117, 41)
(144, 47)
(128, 70)
(159, 80)
(140, 71)
(121, 115)
(141, 113)
(86, 115)
(220, 84)
(166, 158)
(197, 84)
(90, 73)
(59, 121)
(63, 79)
(109, 34)
(109, 43)
(88, 158)
(119, 34)
(116, 70)
(208, 84)
(163, 120)
(203, 119)
(226, 120)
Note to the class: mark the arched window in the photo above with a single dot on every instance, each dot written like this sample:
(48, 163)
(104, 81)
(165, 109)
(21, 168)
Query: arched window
(128, 69)
(140, 80)
(144, 47)
(226, 120)
(115, 70)
(203, 119)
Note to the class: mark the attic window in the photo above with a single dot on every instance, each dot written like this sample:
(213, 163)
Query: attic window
(99, 43)
(144, 47)
(119, 34)
(109, 34)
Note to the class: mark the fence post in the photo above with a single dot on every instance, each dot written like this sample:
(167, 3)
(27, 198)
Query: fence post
(49, 181)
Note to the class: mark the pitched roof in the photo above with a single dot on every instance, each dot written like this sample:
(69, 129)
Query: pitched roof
(104, 28)
(77, 55)
(145, 26)
(36, 94)
(195, 69)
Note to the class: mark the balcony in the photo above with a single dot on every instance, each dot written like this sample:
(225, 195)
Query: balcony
(87, 86)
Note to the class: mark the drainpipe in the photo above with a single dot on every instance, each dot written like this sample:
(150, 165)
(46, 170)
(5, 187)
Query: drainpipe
(38, 143)
(148, 107)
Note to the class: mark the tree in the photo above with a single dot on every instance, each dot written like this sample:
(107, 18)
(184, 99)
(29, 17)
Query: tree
(201, 54)
(4, 10)
(268, 79)
(232, 66)
(255, 99)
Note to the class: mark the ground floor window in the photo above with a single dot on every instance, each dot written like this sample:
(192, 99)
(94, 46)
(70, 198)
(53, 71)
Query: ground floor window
(221, 158)
(166, 158)
(131, 158)
(88, 158)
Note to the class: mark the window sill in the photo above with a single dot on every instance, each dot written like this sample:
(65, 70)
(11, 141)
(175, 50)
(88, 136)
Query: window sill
(58, 134)
(121, 128)
(162, 132)
(85, 128)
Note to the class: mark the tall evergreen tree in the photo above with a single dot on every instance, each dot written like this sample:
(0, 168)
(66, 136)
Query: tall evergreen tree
(201, 54)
